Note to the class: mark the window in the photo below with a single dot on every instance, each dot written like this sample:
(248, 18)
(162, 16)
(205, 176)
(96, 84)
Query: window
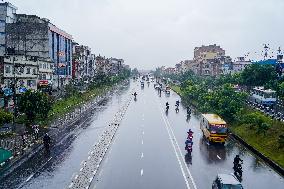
(7, 69)
(31, 83)
(43, 76)
(34, 71)
(40, 65)
(28, 70)
(22, 70)
(44, 66)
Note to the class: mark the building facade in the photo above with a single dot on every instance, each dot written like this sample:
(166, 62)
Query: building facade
(240, 64)
(7, 15)
(211, 61)
(22, 69)
(83, 63)
(31, 35)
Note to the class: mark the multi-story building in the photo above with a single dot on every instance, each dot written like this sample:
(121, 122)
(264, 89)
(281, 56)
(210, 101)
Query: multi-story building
(116, 65)
(185, 66)
(7, 15)
(208, 52)
(22, 69)
(109, 66)
(240, 64)
(83, 63)
(178, 68)
(34, 36)
(211, 61)
(102, 65)
(170, 71)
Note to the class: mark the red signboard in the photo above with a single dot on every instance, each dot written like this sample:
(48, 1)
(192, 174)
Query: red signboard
(43, 82)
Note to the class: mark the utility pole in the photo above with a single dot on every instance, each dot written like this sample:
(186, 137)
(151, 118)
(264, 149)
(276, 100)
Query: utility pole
(14, 92)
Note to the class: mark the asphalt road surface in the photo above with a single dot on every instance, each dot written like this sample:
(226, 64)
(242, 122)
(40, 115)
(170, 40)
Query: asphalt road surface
(147, 151)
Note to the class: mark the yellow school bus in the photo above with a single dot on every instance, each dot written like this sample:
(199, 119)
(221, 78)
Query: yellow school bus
(214, 128)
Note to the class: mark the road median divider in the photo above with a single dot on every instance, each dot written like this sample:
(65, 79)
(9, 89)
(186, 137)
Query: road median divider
(91, 166)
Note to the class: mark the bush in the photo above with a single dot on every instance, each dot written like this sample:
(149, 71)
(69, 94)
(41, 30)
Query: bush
(281, 141)
(263, 128)
(5, 117)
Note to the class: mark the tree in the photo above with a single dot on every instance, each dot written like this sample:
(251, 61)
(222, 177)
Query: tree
(135, 72)
(5, 117)
(262, 128)
(258, 75)
(34, 104)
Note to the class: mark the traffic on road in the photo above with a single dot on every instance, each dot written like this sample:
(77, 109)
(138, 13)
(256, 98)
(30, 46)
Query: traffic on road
(156, 146)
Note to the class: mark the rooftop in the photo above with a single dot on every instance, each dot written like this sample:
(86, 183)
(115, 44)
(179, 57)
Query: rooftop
(214, 119)
(228, 179)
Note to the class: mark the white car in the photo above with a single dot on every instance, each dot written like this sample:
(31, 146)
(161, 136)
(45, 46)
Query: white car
(226, 181)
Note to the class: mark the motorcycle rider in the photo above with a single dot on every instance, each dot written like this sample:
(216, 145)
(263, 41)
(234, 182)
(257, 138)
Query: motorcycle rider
(135, 94)
(189, 132)
(237, 160)
(187, 142)
(46, 141)
(177, 103)
(237, 165)
(167, 105)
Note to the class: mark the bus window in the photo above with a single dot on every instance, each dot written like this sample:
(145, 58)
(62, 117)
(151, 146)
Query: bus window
(218, 129)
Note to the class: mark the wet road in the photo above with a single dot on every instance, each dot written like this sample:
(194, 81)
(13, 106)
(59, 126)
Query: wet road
(147, 152)
(143, 154)
(56, 170)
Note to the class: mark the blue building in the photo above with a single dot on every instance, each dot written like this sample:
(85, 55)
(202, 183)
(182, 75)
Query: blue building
(272, 62)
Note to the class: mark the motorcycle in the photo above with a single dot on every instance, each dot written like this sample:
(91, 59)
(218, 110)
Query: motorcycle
(187, 118)
(177, 109)
(188, 142)
(188, 148)
(167, 108)
(238, 171)
(135, 96)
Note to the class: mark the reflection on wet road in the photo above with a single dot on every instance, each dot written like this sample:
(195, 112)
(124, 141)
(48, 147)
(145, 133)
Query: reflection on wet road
(147, 151)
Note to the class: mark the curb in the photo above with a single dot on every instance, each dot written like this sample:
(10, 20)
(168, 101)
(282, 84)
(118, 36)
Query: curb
(17, 161)
(268, 161)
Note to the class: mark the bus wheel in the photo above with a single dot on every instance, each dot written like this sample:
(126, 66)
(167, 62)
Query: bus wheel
(209, 141)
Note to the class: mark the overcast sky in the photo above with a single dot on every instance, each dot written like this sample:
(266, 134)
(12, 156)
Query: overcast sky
(151, 33)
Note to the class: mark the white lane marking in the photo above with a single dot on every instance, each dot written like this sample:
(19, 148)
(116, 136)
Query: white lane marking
(141, 172)
(218, 157)
(177, 156)
(142, 141)
(142, 155)
(142, 132)
(183, 160)
(29, 178)
(168, 126)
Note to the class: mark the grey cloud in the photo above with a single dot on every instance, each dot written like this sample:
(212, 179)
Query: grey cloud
(150, 33)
